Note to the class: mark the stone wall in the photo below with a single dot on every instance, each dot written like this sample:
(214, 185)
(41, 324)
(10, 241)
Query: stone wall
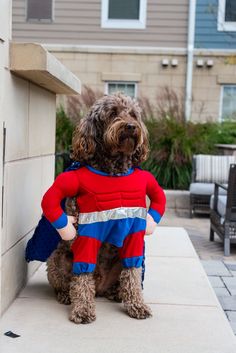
(95, 69)
(145, 68)
(27, 143)
(29, 114)
(207, 83)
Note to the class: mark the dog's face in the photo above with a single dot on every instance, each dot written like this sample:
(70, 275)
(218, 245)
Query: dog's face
(120, 120)
(113, 127)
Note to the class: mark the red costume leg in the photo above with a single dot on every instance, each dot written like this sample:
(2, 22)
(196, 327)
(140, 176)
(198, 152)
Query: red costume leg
(85, 250)
(131, 252)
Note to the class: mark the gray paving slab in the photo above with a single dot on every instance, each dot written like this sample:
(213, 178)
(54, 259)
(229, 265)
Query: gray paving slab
(215, 268)
(233, 326)
(231, 266)
(38, 286)
(230, 283)
(216, 282)
(228, 303)
(169, 242)
(232, 316)
(232, 319)
(44, 327)
(222, 292)
(177, 281)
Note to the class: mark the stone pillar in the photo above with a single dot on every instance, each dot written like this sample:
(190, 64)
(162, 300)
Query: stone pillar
(30, 78)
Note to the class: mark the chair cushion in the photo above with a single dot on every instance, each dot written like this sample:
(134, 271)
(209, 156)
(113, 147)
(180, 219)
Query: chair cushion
(221, 204)
(205, 189)
(210, 168)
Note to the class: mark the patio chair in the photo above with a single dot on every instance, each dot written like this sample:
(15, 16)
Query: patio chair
(223, 212)
(206, 170)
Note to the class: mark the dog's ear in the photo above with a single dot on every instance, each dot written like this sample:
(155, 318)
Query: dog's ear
(83, 142)
(141, 153)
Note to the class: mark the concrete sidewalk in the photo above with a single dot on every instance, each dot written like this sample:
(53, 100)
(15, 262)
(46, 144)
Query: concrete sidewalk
(187, 317)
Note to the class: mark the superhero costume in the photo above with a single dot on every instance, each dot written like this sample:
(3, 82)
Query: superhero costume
(111, 209)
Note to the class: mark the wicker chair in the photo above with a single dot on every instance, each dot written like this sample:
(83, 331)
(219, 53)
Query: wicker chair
(206, 170)
(223, 212)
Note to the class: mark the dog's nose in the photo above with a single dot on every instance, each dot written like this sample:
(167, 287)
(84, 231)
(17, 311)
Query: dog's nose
(130, 127)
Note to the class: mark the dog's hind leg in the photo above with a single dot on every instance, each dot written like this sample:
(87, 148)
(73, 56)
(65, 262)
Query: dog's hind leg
(59, 269)
(82, 294)
(131, 293)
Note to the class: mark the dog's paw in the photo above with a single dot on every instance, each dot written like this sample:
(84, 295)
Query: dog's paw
(82, 314)
(138, 311)
(63, 298)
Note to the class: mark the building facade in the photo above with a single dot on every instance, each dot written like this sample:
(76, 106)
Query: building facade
(141, 46)
(214, 77)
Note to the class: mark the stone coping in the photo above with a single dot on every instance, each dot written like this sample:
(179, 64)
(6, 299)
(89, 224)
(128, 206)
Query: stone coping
(226, 146)
(70, 48)
(178, 200)
(33, 62)
(114, 49)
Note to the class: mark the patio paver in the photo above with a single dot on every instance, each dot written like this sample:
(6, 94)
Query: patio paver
(230, 283)
(232, 319)
(228, 303)
(216, 282)
(215, 268)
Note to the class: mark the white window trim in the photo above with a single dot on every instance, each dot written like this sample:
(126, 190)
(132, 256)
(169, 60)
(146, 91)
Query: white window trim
(38, 20)
(126, 24)
(221, 24)
(122, 83)
(221, 120)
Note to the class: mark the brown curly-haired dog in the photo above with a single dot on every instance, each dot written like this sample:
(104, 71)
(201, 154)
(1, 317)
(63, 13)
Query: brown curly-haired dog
(111, 138)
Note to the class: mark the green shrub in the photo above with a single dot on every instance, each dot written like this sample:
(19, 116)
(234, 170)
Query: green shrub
(173, 143)
(64, 131)
(172, 140)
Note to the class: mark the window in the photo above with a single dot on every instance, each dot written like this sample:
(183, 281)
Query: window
(227, 15)
(228, 103)
(39, 10)
(230, 11)
(130, 14)
(128, 88)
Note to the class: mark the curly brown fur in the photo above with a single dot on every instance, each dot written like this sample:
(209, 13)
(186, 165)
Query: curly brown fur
(59, 271)
(131, 293)
(107, 272)
(111, 138)
(82, 294)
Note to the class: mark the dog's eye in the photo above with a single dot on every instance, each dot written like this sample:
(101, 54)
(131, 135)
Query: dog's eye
(113, 114)
(131, 113)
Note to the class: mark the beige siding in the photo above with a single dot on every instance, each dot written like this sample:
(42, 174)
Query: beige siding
(79, 22)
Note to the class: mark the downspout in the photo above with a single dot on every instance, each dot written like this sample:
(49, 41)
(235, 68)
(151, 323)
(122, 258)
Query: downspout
(190, 48)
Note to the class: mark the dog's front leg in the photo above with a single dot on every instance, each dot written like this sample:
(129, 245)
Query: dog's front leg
(131, 293)
(82, 295)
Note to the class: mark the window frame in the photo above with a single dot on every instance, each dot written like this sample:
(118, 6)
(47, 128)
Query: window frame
(124, 24)
(39, 20)
(223, 25)
(122, 83)
(221, 120)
